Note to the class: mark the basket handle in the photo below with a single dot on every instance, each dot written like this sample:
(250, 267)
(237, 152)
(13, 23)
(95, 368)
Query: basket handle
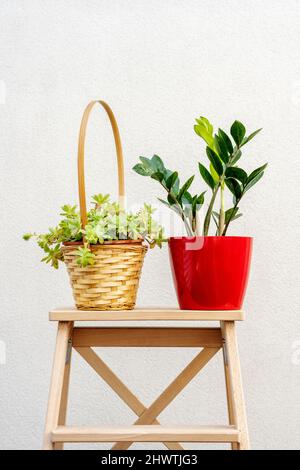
(80, 161)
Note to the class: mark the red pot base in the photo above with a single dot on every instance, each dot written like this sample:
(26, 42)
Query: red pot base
(210, 273)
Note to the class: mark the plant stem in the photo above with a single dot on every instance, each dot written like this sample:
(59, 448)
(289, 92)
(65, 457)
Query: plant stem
(209, 210)
(197, 224)
(189, 230)
(186, 224)
(185, 220)
(222, 210)
(194, 224)
(229, 220)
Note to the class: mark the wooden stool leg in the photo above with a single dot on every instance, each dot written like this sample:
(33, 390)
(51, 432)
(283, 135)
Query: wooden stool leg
(234, 387)
(234, 445)
(59, 383)
(65, 393)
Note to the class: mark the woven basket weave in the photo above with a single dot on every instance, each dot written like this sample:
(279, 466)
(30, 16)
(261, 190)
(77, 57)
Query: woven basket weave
(111, 283)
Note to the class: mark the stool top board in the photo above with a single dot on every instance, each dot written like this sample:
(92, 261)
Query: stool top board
(144, 314)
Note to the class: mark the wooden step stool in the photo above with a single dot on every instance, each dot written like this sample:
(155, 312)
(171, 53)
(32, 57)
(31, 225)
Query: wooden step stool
(147, 427)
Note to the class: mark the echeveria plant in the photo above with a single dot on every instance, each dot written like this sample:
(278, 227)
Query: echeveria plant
(223, 153)
(106, 221)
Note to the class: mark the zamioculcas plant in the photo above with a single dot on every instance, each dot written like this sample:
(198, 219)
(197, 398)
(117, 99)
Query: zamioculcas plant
(223, 153)
(210, 272)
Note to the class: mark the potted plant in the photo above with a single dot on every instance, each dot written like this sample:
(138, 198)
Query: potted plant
(104, 258)
(210, 272)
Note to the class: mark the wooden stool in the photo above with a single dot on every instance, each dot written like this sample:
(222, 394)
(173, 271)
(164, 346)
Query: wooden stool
(83, 339)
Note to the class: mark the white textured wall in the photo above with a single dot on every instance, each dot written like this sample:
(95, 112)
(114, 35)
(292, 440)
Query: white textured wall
(159, 64)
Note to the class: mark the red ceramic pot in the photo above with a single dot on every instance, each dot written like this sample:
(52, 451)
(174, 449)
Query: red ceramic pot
(210, 273)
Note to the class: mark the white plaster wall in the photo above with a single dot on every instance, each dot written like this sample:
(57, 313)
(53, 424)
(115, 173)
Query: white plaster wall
(159, 64)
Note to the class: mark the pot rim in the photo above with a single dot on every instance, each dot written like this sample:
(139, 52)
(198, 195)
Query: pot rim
(209, 236)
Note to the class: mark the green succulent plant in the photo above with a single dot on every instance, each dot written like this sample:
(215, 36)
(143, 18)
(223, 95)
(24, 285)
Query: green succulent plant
(106, 221)
(223, 153)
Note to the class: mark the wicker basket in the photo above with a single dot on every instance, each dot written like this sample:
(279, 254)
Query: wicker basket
(112, 282)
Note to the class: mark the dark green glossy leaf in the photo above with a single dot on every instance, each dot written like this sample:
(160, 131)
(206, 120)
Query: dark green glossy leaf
(237, 216)
(158, 176)
(200, 198)
(256, 172)
(250, 137)
(236, 156)
(187, 198)
(221, 149)
(194, 205)
(167, 173)
(254, 181)
(227, 140)
(238, 132)
(175, 188)
(206, 176)
(234, 187)
(185, 187)
(215, 161)
(171, 179)
(232, 214)
(237, 173)
(172, 199)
